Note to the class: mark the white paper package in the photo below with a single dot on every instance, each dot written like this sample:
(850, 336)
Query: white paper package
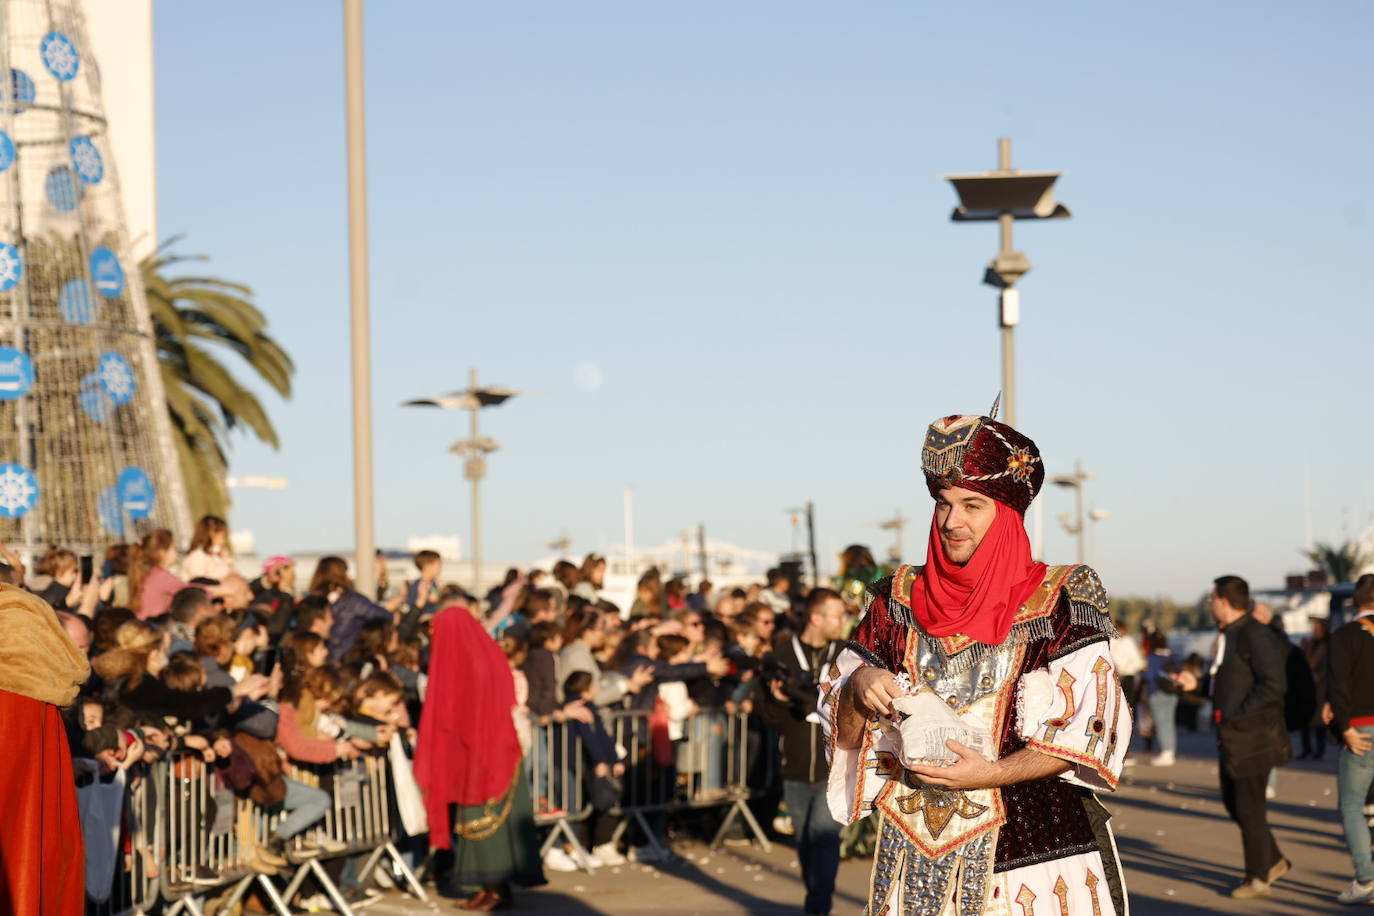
(928, 724)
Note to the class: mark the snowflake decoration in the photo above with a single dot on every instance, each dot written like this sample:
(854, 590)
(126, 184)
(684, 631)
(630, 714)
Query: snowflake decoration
(6, 151)
(87, 161)
(60, 56)
(117, 378)
(18, 490)
(11, 266)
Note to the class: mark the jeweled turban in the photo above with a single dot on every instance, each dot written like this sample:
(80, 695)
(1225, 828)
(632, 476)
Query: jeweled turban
(981, 454)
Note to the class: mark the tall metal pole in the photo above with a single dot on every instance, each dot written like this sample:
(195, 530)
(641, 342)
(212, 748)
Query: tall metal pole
(477, 465)
(811, 543)
(701, 549)
(1078, 503)
(363, 523)
(1004, 225)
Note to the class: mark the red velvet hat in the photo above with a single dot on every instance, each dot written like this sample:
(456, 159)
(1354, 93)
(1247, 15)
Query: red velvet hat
(981, 454)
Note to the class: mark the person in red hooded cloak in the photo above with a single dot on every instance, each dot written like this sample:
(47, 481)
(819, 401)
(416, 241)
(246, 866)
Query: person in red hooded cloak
(469, 765)
(42, 861)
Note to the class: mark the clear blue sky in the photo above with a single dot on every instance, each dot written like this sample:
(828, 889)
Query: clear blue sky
(735, 212)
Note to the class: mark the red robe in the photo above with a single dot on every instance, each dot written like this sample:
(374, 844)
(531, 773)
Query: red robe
(42, 862)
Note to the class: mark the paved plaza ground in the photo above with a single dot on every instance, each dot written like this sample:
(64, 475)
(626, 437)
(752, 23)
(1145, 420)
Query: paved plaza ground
(1182, 855)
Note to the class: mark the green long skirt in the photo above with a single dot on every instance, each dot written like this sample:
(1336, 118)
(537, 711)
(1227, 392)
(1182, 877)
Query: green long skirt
(510, 855)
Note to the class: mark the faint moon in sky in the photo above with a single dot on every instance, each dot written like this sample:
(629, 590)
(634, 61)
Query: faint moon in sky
(588, 376)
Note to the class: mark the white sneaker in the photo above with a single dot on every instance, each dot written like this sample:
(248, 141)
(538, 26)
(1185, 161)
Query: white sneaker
(607, 854)
(316, 903)
(558, 860)
(1356, 893)
(1164, 759)
(783, 826)
(1271, 792)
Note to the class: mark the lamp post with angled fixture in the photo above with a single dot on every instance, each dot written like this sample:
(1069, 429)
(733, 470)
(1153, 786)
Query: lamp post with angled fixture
(1075, 525)
(1006, 195)
(474, 450)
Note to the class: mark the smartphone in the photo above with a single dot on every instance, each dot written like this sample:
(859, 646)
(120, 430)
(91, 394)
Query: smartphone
(87, 564)
(272, 660)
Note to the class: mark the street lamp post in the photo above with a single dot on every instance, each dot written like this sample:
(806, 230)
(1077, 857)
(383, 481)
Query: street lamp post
(1075, 525)
(1006, 195)
(364, 544)
(474, 450)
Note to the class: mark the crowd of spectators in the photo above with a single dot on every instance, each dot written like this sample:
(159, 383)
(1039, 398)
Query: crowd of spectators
(254, 675)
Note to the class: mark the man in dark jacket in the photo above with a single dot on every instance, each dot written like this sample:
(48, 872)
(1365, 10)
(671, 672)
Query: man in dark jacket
(1248, 686)
(1350, 689)
(791, 708)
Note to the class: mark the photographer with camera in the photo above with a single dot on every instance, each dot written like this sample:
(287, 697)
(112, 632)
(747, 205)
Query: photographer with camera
(791, 676)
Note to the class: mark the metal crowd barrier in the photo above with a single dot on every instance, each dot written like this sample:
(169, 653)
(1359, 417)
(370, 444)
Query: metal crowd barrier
(187, 837)
(557, 774)
(707, 767)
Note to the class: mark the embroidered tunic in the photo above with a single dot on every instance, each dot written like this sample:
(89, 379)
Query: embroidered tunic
(1038, 847)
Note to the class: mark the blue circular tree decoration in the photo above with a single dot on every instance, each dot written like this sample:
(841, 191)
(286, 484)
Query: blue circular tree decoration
(62, 189)
(6, 151)
(11, 267)
(93, 399)
(117, 377)
(86, 159)
(16, 373)
(60, 56)
(106, 273)
(75, 302)
(108, 510)
(18, 490)
(136, 494)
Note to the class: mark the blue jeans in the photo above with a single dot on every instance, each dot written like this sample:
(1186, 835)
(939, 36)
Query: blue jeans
(1162, 707)
(306, 805)
(1353, 778)
(818, 841)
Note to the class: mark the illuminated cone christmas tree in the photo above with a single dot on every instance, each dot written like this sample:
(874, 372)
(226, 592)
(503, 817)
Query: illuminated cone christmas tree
(86, 450)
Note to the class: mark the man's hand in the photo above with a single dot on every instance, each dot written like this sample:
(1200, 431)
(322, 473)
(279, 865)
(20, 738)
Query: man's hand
(1186, 681)
(718, 666)
(601, 771)
(874, 690)
(1357, 741)
(971, 771)
(618, 768)
(775, 687)
(346, 750)
(1327, 714)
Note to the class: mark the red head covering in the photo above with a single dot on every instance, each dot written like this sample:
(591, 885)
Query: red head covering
(468, 749)
(979, 599)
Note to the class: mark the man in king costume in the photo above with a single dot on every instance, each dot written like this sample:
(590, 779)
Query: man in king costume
(1011, 646)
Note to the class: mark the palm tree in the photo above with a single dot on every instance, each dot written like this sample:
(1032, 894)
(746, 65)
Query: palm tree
(1341, 562)
(197, 321)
